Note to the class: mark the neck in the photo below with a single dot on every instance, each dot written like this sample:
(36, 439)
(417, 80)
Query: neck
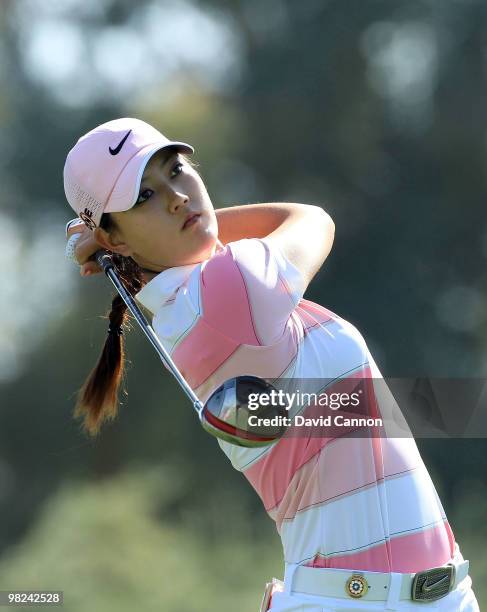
(148, 275)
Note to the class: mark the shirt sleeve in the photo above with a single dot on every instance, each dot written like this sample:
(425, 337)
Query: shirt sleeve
(249, 289)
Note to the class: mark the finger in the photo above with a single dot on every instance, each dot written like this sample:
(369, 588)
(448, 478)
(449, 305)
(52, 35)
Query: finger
(90, 268)
(75, 226)
(85, 248)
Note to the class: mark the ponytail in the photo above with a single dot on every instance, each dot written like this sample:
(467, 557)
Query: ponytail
(97, 400)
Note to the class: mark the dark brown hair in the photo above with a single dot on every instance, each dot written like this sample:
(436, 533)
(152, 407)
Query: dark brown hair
(97, 400)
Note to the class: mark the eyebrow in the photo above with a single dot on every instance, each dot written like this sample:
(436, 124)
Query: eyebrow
(169, 154)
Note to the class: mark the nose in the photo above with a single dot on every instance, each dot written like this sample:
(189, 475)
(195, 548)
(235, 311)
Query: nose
(176, 199)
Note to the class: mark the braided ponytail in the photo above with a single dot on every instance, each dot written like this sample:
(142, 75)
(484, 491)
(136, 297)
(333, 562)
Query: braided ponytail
(97, 400)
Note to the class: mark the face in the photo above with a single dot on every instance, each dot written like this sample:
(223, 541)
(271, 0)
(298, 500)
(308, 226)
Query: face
(152, 232)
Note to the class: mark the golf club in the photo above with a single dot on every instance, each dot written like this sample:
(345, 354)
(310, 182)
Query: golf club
(226, 412)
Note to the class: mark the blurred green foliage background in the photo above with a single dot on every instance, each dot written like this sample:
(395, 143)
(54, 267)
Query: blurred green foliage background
(374, 110)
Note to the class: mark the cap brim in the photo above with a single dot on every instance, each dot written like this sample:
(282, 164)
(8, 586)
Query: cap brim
(126, 190)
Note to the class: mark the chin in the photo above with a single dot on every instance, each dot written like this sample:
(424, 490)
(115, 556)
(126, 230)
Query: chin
(203, 251)
(208, 240)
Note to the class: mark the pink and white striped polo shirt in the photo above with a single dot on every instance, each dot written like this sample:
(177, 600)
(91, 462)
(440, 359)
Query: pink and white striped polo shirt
(363, 503)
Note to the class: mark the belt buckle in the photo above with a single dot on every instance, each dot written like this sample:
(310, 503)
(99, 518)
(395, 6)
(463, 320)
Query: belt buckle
(433, 584)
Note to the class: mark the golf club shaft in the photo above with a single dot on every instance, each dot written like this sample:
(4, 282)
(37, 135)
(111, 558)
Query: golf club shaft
(105, 262)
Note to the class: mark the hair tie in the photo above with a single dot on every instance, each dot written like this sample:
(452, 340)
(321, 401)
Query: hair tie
(115, 329)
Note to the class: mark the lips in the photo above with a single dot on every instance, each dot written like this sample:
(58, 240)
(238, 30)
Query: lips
(189, 217)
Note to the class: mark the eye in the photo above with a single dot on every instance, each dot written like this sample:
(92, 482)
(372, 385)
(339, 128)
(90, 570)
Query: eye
(178, 168)
(143, 196)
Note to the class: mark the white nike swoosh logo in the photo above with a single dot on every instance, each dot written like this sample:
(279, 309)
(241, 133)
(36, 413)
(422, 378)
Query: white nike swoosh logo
(431, 586)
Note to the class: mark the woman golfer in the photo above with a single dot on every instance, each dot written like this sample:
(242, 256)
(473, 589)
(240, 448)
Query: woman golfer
(361, 523)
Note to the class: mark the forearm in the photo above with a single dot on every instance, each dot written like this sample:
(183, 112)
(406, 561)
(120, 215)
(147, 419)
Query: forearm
(253, 220)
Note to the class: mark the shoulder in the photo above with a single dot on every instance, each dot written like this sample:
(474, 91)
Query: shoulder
(250, 286)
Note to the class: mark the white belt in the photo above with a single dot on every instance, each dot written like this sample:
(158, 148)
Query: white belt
(375, 586)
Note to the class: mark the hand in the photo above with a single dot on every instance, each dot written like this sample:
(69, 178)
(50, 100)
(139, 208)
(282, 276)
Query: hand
(85, 248)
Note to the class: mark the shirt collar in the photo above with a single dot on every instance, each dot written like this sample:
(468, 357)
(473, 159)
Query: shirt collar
(157, 291)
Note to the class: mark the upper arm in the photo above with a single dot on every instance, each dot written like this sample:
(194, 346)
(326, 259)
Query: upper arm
(305, 238)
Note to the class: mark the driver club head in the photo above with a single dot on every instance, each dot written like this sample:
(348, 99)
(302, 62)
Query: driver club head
(227, 414)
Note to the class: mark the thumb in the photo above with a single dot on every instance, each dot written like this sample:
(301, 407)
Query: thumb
(89, 268)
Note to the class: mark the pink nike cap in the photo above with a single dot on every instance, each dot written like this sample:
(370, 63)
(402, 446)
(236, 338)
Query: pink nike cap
(103, 170)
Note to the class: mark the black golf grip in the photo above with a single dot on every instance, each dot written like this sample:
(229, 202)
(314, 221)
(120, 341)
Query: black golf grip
(104, 260)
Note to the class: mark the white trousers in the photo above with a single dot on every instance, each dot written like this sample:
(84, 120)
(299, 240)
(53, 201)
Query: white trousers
(461, 599)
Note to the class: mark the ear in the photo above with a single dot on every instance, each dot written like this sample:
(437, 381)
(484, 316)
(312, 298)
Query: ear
(111, 243)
